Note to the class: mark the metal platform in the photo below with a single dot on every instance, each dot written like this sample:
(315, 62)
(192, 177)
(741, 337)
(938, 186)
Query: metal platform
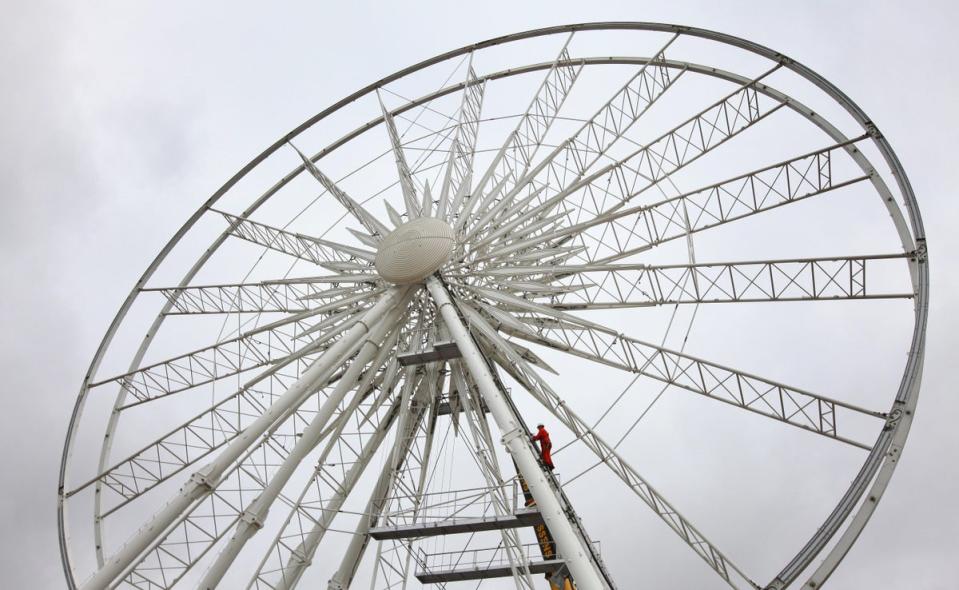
(441, 351)
(472, 572)
(490, 562)
(521, 518)
(443, 408)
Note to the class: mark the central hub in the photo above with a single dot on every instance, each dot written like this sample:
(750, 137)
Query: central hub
(415, 250)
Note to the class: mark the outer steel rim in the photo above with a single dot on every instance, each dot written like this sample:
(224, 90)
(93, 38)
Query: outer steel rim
(882, 460)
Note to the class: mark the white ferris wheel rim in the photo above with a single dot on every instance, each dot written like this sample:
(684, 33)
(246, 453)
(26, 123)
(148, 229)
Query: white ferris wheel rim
(852, 511)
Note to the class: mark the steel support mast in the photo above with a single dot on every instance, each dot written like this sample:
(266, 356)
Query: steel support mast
(570, 543)
(253, 518)
(205, 480)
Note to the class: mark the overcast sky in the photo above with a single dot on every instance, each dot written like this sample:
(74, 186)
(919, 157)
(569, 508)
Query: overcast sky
(117, 121)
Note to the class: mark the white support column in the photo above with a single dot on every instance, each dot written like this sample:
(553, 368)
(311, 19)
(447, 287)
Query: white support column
(570, 544)
(253, 518)
(206, 479)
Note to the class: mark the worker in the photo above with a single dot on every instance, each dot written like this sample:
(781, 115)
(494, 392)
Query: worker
(545, 446)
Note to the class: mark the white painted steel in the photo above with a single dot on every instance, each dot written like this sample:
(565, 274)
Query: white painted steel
(507, 229)
(256, 513)
(572, 546)
(206, 479)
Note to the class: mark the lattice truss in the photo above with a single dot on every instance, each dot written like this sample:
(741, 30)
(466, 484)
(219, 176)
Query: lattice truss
(314, 381)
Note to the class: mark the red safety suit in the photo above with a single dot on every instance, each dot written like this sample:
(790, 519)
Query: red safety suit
(545, 446)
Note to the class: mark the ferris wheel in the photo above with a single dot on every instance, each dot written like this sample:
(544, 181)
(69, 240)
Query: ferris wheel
(330, 374)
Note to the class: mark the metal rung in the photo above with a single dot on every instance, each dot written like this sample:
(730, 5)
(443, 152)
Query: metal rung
(441, 351)
(521, 518)
(496, 571)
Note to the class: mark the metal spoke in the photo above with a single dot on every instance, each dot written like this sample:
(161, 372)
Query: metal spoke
(194, 440)
(627, 231)
(376, 229)
(239, 499)
(196, 532)
(787, 404)
(527, 377)
(307, 248)
(613, 286)
(205, 487)
(263, 297)
(371, 349)
(253, 349)
(459, 170)
(575, 156)
(402, 168)
(610, 188)
(369, 417)
(513, 159)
